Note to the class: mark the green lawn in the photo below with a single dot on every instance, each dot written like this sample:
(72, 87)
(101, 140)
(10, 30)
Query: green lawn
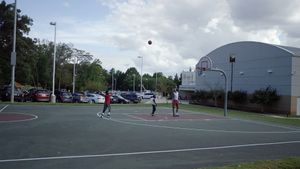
(288, 163)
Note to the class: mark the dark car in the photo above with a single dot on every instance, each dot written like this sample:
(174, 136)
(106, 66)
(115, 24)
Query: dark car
(118, 99)
(40, 95)
(5, 93)
(29, 94)
(132, 97)
(63, 96)
(80, 98)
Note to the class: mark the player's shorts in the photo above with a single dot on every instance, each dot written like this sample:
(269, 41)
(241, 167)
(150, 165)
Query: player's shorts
(175, 103)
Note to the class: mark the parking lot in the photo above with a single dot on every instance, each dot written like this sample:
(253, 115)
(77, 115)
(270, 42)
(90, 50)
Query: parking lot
(56, 136)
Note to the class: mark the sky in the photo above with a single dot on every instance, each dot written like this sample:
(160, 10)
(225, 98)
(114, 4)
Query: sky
(181, 31)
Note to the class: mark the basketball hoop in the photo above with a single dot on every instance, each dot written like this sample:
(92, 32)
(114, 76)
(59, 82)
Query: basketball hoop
(204, 64)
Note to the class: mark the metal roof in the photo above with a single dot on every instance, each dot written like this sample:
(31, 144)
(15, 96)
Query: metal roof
(293, 50)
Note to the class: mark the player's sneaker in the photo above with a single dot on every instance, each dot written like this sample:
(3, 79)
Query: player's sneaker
(108, 114)
(102, 114)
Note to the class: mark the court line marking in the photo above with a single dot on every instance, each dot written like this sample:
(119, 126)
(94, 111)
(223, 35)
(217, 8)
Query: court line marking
(199, 129)
(13, 121)
(266, 124)
(149, 152)
(237, 119)
(3, 108)
(135, 117)
(34, 116)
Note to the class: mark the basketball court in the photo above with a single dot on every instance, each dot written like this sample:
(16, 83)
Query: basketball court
(76, 137)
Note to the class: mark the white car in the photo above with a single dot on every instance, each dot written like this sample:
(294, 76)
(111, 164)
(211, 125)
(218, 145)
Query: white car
(95, 98)
(148, 95)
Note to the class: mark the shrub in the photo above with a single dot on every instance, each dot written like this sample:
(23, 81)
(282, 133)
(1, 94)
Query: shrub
(263, 97)
(238, 96)
(200, 95)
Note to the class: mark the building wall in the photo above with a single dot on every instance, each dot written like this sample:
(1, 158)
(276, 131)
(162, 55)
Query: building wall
(188, 84)
(188, 78)
(295, 73)
(257, 66)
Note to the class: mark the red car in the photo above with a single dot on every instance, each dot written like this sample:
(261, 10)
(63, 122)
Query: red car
(41, 95)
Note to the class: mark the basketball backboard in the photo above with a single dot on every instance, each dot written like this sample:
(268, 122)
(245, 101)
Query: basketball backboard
(204, 64)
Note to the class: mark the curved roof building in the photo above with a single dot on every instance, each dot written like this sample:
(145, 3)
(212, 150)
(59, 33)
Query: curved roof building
(257, 65)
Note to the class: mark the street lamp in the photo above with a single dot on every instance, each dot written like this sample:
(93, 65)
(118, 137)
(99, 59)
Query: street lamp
(53, 97)
(133, 83)
(115, 84)
(74, 73)
(231, 60)
(141, 57)
(13, 58)
(112, 80)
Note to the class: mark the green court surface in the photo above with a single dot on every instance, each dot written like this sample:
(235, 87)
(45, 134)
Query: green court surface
(76, 137)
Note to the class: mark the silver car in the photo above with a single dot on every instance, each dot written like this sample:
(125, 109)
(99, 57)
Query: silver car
(95, 98)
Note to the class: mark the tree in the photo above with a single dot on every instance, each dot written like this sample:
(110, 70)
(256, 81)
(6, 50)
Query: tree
(132, 79)
(24, 48)
(91, 76)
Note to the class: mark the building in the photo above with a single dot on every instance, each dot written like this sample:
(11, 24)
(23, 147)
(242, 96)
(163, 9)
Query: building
(257, 65)
(188, 84)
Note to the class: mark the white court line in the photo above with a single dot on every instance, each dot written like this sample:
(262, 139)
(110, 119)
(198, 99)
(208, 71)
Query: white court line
(149, 152)
(13, 121)
(3, 108)
(199, 129)
(250, 121)
(265, 124)
(135, 117)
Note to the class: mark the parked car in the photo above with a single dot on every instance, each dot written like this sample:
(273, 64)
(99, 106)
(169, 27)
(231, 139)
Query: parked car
(28, 94)
(119, 99)
(95, 98)
(63, 96)
(40, 95)
(5, 93)
(132, 97)
(80, 98)
(148, 95)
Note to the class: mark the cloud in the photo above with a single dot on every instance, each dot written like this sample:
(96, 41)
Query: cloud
(182, 31)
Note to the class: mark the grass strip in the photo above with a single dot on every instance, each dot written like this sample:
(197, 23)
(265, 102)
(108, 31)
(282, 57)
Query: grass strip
(287, 163)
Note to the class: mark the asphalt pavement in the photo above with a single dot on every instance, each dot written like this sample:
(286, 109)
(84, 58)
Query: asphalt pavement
(76, 137)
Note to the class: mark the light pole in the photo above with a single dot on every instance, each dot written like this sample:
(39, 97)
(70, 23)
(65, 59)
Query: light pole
(133, 88)
(231, 60)
(112, 80)
(53, 97)
(74, 73)
(13, 58)
(141, 57)
(156, 83)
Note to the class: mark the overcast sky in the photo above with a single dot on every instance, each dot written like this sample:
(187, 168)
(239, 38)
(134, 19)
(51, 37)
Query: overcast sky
(182, 31)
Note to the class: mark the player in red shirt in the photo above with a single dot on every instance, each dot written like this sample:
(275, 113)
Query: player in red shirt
(106, 104)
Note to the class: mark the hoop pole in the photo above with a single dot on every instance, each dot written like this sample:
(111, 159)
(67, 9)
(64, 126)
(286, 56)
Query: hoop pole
(226, 90)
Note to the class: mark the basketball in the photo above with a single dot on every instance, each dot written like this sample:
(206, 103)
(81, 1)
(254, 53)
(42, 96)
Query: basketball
(149, 42)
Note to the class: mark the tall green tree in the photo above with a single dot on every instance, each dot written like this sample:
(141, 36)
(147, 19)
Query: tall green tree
(24, 45)
(91, 76)
(131, 80)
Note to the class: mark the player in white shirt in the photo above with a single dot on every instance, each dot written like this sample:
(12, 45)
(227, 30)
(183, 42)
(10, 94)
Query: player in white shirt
(175, 102)
(153, 105)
